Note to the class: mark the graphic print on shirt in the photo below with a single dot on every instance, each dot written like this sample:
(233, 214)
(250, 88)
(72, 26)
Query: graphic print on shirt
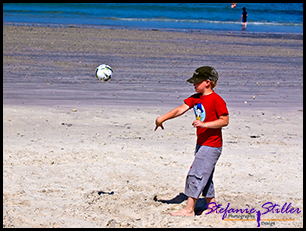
(199, 112)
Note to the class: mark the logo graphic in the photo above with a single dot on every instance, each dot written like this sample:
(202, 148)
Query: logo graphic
(199, 112)
(269, 207)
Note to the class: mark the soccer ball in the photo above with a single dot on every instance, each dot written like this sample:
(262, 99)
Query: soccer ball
(104, 72)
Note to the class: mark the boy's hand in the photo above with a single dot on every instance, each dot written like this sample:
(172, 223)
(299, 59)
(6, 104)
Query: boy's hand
(158, 124)
(219, 123)
(197, 123)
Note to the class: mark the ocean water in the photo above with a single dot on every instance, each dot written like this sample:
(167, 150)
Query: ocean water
(262, 17)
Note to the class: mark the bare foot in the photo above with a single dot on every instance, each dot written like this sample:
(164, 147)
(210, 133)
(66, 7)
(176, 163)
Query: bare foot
(183, 212)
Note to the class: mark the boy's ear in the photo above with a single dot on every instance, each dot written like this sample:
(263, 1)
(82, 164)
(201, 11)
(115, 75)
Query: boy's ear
(207, 82)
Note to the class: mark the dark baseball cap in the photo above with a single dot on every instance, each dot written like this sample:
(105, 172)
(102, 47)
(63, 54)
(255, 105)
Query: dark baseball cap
(204, 73)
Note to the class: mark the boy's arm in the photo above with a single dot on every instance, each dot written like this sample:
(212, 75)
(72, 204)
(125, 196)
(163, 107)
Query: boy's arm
(223, 121)
(170, 115)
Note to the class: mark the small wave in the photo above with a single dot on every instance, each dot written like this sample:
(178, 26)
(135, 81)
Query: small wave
(263, 23)
(274, 24)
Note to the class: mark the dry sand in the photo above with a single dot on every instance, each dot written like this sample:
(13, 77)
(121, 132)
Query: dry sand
(102, 165)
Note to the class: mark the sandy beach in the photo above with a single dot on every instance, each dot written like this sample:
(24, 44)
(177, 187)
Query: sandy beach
(80, 153)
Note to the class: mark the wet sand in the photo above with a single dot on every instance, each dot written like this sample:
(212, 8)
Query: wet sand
(102, 165)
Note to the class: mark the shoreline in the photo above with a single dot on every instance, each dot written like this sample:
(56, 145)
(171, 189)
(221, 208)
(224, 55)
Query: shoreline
(292, 35)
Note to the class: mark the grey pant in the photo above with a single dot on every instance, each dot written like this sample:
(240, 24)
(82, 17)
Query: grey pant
(199, 177)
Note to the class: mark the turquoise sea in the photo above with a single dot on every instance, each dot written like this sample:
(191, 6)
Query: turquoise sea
(262, 17)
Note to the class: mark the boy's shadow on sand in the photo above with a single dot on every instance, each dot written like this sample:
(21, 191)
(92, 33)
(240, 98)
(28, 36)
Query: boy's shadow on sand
(199, 208)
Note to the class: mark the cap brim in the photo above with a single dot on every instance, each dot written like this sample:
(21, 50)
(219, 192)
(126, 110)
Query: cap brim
(195, 79)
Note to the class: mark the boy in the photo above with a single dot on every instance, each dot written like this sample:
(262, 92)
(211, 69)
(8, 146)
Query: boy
(244, 17)
(209, 136)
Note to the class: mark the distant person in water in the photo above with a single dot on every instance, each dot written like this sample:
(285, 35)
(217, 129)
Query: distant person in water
(244, 17)
(233, 5)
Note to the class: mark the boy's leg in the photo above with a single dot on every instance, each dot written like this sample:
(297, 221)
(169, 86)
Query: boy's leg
(210, 200)
(209, 189)
(188, 211)
(209, 193)
(198, 176)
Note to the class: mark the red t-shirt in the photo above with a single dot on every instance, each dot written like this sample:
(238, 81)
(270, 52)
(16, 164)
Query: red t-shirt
(214, 107)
